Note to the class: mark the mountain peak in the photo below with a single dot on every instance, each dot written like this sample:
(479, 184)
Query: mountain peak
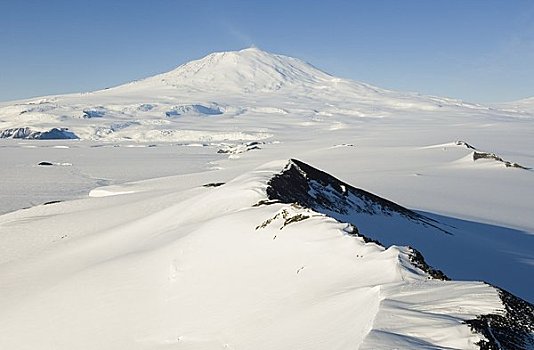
(246, 70)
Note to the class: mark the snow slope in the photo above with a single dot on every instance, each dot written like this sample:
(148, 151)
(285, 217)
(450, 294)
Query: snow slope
(160, 270)
(525, 105)
(201, 254)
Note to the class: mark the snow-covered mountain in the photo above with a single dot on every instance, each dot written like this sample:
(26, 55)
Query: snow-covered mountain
(227, 85)
(239, 201)
(246, 71)
(525, 105)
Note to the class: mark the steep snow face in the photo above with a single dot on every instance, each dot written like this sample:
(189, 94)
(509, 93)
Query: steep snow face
(178, 262)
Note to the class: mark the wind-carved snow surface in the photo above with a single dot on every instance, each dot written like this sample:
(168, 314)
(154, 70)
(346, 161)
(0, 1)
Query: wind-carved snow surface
(219, 247)
(154, 270)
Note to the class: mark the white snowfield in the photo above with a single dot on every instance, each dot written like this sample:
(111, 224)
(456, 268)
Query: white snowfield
(152, 236)
(195, 269)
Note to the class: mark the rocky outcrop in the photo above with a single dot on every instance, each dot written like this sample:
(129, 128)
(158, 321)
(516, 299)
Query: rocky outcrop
(478, 154)
(492, 156)
(312, 188)
(27, 133)
(513, 329)
(308, 187)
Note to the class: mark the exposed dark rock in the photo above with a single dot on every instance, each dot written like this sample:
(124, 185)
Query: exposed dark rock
(240, 148)
(312, 188)
(478, 154)
(213, 184)
(286, 216)
(265, 202)
(51, 202)
(485, 155)
(463, 143)
(417, 259)
(296, 218)
(513, 329)
(307, 187)
(353, 231)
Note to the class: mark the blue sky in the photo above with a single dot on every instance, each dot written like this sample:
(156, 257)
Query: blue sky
(476, 50)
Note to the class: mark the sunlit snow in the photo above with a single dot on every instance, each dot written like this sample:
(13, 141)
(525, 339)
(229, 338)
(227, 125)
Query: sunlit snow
(150, 226)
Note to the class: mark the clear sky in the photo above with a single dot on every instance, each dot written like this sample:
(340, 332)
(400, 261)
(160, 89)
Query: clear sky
(476, 50)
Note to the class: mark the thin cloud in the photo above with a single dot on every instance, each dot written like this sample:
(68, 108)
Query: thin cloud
(237, 34)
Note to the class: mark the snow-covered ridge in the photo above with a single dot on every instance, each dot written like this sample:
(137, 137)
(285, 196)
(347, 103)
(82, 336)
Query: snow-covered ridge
(460, 250)
(147, 268)
(484, 155)
(302, 184)
(525, 105)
